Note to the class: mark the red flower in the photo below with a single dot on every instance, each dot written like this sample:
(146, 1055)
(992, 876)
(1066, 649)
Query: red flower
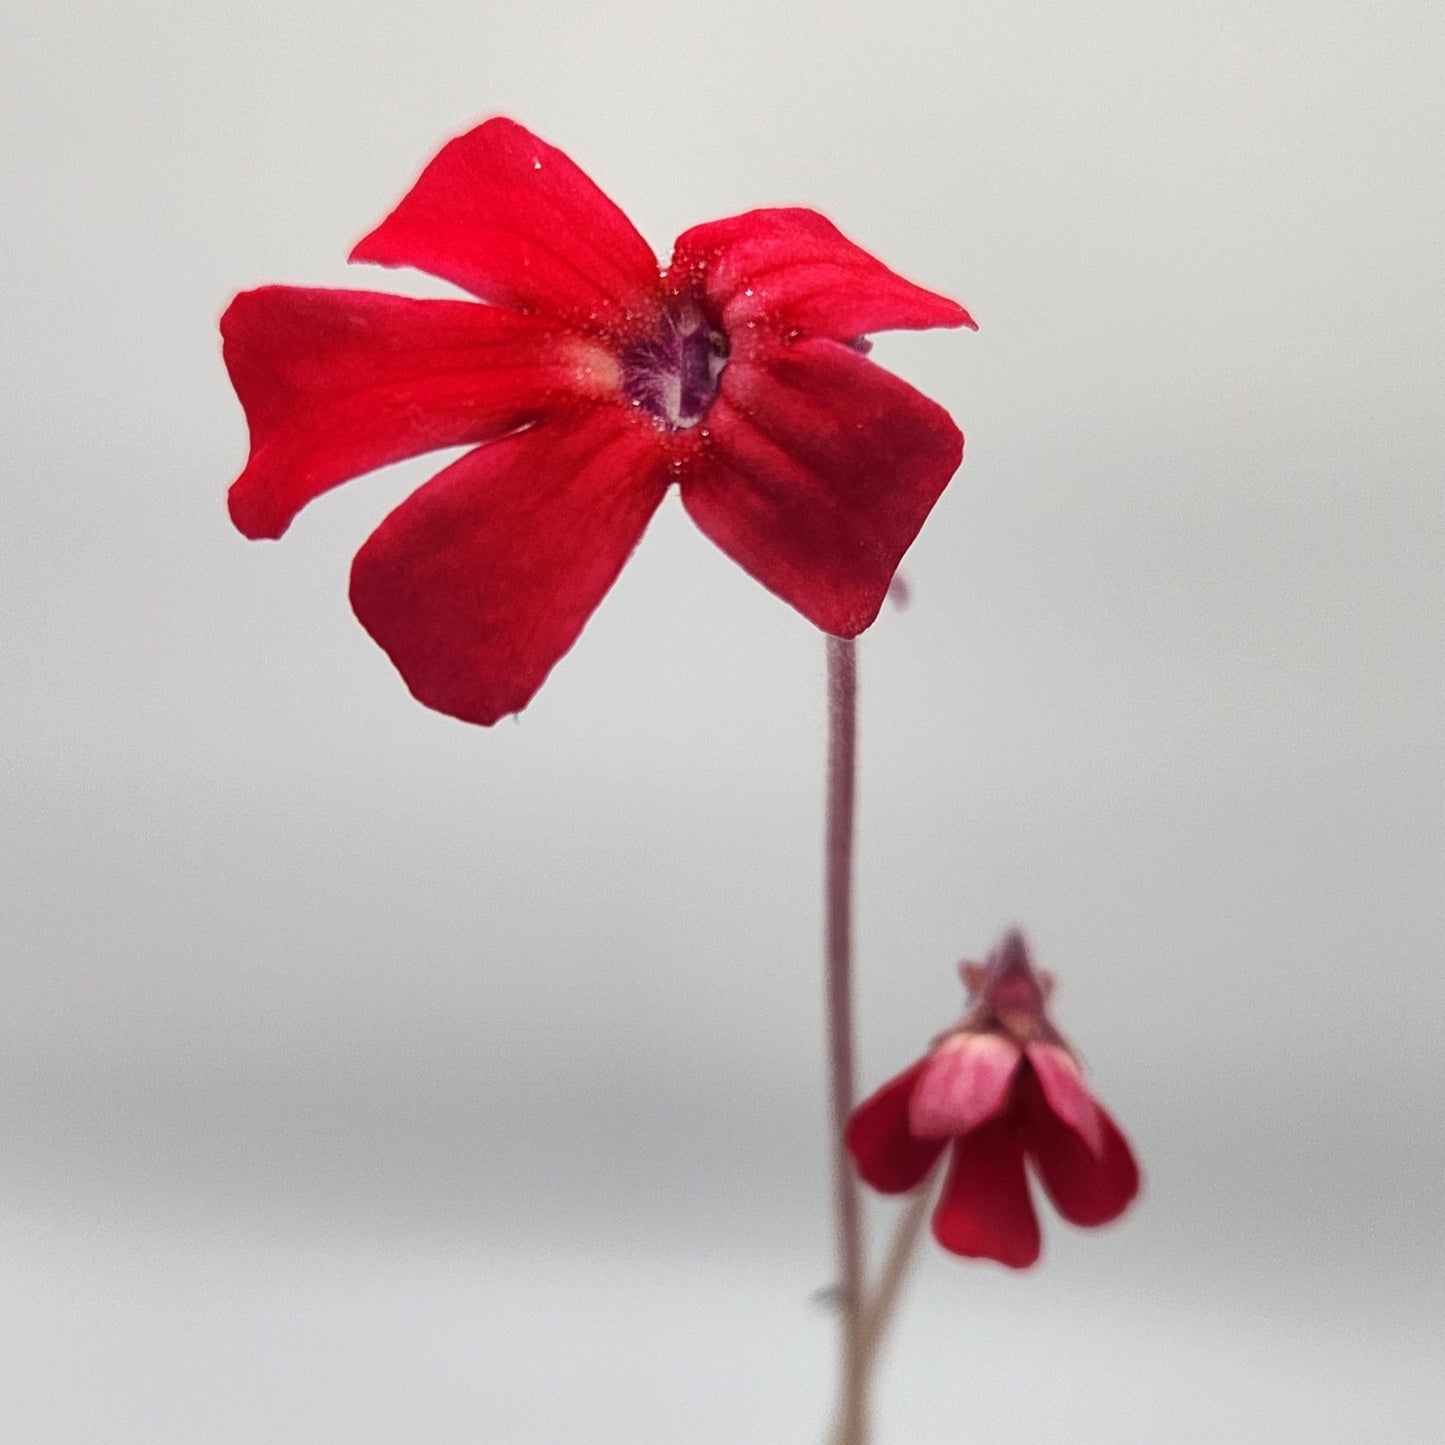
(1001, 1086)
(593, 380)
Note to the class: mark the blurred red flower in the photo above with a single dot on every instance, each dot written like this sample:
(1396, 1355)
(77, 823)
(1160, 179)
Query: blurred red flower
(1001, 1087)
(592, 380)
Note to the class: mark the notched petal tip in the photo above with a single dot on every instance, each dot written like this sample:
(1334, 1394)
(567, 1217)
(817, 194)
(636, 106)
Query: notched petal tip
(252, 515)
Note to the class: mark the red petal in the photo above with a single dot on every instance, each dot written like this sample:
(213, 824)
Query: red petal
(794, 271)
(480, 581)
(985, 1211)
(512, 220)
(1086, 1188)
(335, 383)
(965, 1081)
(1065, 1092)
(815, 471)
(887, 1154)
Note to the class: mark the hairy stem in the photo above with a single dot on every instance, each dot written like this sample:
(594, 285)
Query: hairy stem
(877, 1311)
(878, 1307)
(838, 948)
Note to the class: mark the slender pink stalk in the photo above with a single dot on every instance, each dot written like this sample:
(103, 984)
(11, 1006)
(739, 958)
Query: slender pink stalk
(877, 1311)
(838, 946)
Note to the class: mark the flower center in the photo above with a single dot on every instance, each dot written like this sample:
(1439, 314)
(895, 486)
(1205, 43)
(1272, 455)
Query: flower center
(674, 374)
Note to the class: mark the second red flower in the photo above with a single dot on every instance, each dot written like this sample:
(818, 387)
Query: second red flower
(1002, 1088)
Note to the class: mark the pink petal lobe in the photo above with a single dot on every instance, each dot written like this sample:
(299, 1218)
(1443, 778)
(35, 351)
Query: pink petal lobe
(480, 581)
(816, 470)
(888, 1156)
(985, 1211)
(1066, 1093)
(335, 383)
(966, 1080)
(1086, 1187)
(794, 272)
(511, 219)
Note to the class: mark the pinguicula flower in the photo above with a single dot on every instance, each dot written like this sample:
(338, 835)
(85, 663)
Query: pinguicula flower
(589, 382)
(1002, 1087)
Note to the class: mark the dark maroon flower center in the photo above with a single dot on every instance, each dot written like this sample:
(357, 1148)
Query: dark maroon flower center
(674, 373)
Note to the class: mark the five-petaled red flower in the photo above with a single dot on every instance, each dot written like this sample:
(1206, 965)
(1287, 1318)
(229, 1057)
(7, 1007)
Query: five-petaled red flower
(1002, 1086)
(595, 380)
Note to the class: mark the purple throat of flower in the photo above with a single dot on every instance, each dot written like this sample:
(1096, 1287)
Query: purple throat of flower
(674, 374)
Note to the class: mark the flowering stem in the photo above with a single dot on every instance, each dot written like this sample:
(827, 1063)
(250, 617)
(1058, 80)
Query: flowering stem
(838, 947)
(878, 1307)
(877, 1310)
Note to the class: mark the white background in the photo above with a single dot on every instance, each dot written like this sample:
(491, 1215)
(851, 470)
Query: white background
(369, 1078)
